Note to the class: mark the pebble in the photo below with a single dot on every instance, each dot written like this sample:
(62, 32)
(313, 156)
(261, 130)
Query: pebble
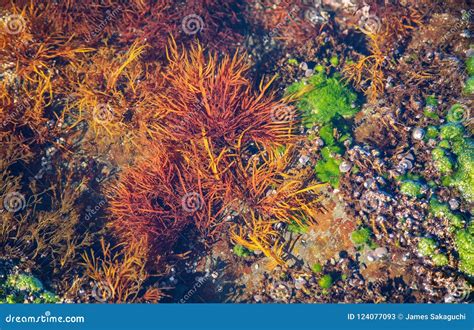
(303, 160)
(345, 166)
(299, 283)
(418, 133)
(380, 218)
(453, 204)
(308, 73)
(380, 252)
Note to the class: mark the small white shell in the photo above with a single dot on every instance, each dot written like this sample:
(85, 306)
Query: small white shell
(345, 166)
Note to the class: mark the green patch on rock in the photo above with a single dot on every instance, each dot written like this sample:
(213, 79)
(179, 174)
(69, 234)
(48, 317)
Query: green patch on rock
(317, 268)
(325, 282)
(361, 236)
(294, 227)
(321, 98)
(327, 170)
(411, 188)
(465, 246)
(440, 259)
(470, 65)
(442, 211)
(432, 132)
(426, 246)
(242, 251)
(469, 86)
(18, 287)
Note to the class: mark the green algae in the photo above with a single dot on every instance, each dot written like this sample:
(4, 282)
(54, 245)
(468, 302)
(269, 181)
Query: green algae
(441, 161)
(327, 102)
(411, 188)
(459, 172)
(325, 282)
(25, 282)
(16, 288)
(293, 61)
(432, 132)
(317, 268)
(440, 259)
(241, 251)
(294, 227)
(426, 246)
(451, 131)
(431, 106)
(361, 236)
(327, 170)
(470, 65)
(469, 86)
(334, 60)
(442, 211)
(431, 101)
(323, 98)
(465, 246)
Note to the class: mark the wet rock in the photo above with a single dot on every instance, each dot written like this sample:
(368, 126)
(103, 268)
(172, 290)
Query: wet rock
(418, 133)
(345, 166)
